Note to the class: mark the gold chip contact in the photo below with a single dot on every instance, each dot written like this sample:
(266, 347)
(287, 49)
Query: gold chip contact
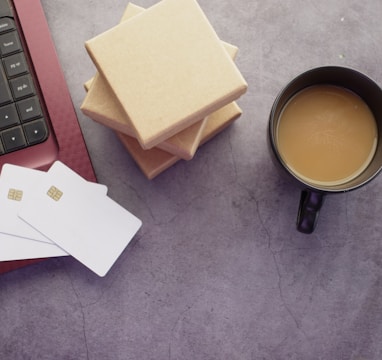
(54, 193)
(14, 194)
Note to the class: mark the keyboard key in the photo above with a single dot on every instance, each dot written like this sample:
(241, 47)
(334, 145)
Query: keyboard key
(5, 9)
(36, 131)
(22, 87)
(29, 109)
(15, 65)
(9, 43)
(8, 116)
(13, 139)
(5, 94)
(6, 24)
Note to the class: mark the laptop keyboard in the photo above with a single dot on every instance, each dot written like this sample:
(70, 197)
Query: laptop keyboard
(22, 122)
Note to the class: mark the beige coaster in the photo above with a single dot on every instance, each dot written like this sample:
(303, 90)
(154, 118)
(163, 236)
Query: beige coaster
(101, 106)
(167, 68)
(154, 161)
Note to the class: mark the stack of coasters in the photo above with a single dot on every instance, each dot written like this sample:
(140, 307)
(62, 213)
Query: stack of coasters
(59, 213)
(165, 83)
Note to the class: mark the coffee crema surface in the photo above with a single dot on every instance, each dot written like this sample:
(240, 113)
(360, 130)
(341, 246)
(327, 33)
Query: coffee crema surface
(326, 135)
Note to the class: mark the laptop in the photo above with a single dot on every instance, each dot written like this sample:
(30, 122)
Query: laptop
(38, 123)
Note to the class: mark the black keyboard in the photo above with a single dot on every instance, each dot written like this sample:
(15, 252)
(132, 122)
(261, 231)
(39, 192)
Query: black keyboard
(22, 122)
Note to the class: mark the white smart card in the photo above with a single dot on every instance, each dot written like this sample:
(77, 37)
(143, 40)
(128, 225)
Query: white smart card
(91, 227)
(17, 184)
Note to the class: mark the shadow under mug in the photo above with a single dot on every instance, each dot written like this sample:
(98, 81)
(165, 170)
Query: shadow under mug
(312, 195)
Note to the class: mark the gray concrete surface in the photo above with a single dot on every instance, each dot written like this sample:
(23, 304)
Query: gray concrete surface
(218, 270)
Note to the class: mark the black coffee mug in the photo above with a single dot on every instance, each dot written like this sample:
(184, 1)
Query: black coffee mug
(312, 195)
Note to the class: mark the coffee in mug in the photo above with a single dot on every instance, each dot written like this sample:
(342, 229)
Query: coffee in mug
(325, 132)
(327, 135)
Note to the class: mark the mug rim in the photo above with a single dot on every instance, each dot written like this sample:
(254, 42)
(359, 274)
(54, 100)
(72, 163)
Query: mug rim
(274, 119)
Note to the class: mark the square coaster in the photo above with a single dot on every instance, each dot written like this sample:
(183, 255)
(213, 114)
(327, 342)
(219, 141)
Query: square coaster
(167, 68)
(101, 106)
(154, 161)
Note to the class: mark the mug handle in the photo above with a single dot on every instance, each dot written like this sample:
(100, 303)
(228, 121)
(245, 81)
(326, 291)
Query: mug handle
(309, 208)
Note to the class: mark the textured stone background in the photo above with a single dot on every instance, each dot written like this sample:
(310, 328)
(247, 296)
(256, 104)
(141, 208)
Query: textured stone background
(218, 270)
